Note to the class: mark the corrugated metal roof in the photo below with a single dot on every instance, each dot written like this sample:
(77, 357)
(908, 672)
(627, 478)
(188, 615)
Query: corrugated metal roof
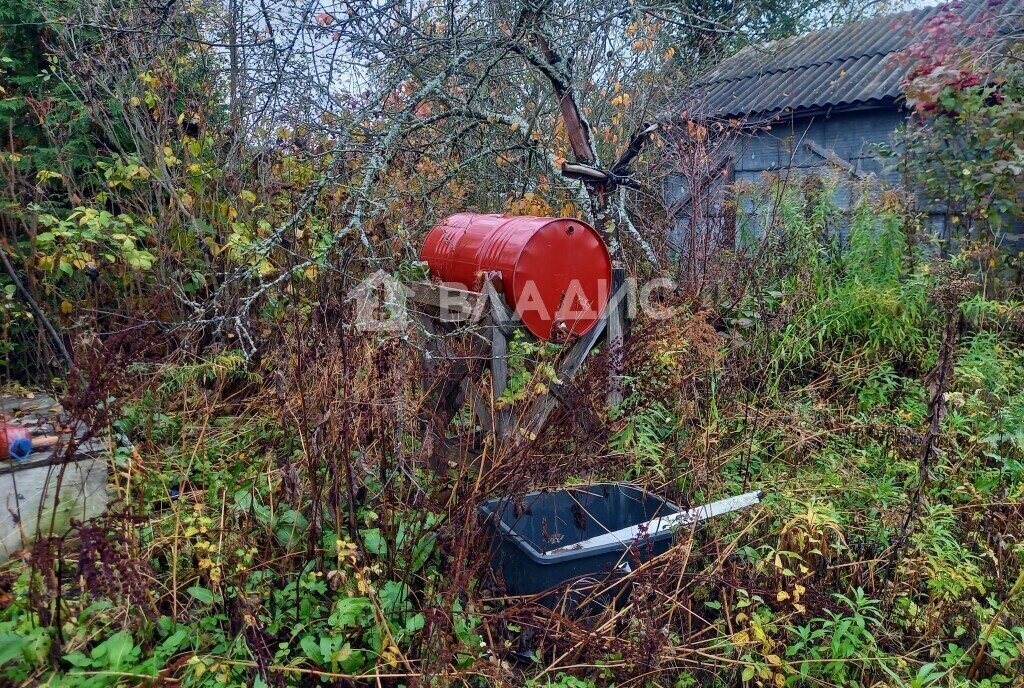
(844, 66)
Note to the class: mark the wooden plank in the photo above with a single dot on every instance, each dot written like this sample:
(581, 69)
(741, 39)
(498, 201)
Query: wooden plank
(447, 303)
(616, 337)
(583, 172)
(656, 525)
(86, 451)
(501, 315)
(502, 323)
(833, 158)
(479, 403)
(499, 379)
(445, 396)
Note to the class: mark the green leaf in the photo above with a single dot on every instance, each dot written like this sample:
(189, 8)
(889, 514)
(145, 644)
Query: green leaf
(311, 648)
(78, 659)
(415, 623)
(748, 673)
(348, 611)
(174, 641)
(202, 594)
(117, 649)
(393, 596)
(374, 542)
(11, 645)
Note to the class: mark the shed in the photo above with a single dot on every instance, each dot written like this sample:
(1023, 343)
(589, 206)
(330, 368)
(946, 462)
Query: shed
(832, 99)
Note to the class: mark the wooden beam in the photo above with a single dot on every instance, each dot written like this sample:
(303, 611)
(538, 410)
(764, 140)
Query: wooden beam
(616, 337)
(500, 314)
(684, 518)
(499, 379)
(834, 158)
(583, 172)
(451, 303)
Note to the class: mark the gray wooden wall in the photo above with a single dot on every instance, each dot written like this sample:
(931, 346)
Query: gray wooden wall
(783, 149)
(856, 136)
(853, 136)
(788, 149)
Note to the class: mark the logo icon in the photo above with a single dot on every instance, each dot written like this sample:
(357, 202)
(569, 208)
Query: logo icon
(380, 304)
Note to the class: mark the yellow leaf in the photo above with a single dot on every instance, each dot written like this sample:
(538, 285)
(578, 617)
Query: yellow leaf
(774, 660)
(66, 307)
(783, 595)
(135, 100)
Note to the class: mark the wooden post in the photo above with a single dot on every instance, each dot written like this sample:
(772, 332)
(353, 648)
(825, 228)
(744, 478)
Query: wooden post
(616, 336)
(499, 379)
(501, 331)
(487, 309)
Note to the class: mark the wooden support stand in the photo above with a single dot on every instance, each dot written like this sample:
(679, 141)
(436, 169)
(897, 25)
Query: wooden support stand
(455, 380)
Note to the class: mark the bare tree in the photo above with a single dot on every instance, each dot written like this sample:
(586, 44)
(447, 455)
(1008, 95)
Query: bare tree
(401, 111)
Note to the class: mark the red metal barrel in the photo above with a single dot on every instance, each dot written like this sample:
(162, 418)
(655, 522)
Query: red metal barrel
(556, 272)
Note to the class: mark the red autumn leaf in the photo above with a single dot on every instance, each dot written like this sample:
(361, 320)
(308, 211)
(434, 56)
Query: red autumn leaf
(325, 19)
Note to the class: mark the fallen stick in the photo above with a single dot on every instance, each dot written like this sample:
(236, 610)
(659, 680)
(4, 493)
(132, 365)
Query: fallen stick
(44, 442)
